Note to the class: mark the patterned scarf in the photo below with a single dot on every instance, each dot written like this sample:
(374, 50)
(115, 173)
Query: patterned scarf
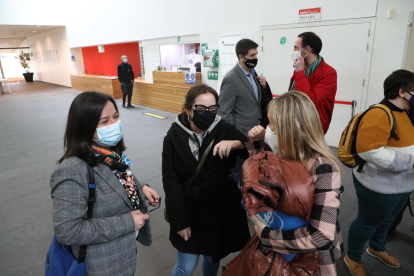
(311, 69)
(119, 164)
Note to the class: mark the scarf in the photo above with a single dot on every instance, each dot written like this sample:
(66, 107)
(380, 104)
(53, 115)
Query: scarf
(310, 71)
(119, 165)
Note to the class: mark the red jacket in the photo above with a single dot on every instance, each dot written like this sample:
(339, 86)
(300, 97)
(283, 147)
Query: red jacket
(321, 89)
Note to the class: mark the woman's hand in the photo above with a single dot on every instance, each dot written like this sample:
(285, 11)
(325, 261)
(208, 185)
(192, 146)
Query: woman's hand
(224, 148)
(259, 226)
(257, 133)
(185, 234)
(151, 195)
(139, 219)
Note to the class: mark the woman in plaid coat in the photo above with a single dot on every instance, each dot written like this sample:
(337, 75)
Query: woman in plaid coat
(295, 120)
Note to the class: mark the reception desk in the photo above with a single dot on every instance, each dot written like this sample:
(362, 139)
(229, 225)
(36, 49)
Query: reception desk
(166, 92)
(106, 85)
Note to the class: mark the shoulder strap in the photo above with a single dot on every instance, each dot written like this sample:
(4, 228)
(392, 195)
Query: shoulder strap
(91, 202)
(201, 164)
(391, 120)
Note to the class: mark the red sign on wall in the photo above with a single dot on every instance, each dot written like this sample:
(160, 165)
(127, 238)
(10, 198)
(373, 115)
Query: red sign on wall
(313, 14)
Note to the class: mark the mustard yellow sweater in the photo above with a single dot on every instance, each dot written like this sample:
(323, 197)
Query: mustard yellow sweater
(389, 167)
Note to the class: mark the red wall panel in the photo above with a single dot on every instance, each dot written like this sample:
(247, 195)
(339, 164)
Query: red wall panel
(107, 62)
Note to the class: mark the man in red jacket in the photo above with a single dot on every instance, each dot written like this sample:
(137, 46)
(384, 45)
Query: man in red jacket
(313, 76)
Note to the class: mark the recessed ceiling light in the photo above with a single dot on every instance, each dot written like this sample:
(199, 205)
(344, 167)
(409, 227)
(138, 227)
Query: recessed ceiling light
(38, 26)
(33, 31)
(21, 34)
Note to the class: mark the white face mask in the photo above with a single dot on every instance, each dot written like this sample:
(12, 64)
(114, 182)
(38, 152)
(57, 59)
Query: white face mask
(271, 139)
(296, 54)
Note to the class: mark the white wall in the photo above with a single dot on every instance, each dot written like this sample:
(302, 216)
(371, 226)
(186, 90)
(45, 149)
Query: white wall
(409, 62)
(171, 55)
(57, 67)
(39, 12)
(389, 42)
(11, 66)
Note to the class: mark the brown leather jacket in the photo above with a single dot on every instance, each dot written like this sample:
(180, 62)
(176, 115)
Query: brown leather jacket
(271, 183)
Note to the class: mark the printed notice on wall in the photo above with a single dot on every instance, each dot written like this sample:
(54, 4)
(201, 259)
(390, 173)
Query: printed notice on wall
(190, 78)
(308, 15)
(228, 58)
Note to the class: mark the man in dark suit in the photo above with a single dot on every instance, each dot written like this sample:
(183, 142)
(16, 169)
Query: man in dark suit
(126, 78)
(313, 76)
(244, 95)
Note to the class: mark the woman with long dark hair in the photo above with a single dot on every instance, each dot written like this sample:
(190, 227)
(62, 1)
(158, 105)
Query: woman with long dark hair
(93, 137)
(203, 202)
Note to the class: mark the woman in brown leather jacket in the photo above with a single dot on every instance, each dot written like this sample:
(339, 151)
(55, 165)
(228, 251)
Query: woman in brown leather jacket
(295, 120)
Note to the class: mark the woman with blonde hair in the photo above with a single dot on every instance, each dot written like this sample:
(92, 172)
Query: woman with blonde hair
(295, 120)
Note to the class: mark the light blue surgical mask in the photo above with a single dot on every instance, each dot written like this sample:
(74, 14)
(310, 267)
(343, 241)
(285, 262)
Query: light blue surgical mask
(125, 60)
(109, 136)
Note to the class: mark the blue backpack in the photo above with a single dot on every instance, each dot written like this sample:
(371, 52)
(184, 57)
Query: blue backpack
(60, 260)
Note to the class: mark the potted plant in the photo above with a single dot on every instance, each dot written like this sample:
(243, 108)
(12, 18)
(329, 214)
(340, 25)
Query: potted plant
(24, 62)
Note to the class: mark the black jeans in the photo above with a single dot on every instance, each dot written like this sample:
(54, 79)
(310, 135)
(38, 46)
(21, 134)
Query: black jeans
(126, 90)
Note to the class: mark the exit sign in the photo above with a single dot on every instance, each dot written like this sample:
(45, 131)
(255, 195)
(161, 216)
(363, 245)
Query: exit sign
(212, 75)
(308, 15)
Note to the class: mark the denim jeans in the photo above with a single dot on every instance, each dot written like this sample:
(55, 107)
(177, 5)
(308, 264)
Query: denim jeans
(376, 212)
(187, 263)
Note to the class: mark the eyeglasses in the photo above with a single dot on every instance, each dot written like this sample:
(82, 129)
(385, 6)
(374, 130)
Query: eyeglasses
(159, 205)
(202, 108)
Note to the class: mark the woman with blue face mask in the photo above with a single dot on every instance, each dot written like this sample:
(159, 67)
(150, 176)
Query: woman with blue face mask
(93, 137)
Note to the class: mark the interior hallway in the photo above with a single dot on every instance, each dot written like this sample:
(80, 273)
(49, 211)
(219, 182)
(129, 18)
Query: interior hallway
(32, 124)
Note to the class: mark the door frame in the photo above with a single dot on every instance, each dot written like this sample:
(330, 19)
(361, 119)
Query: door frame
(371, 20)
(410, 24)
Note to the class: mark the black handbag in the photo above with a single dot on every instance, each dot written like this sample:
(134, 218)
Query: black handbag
(194, 175)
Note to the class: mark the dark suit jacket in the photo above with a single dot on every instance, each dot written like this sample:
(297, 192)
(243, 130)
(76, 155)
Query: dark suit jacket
(238, 104)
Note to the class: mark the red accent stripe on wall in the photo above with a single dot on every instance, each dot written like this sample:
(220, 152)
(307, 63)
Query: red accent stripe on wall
(337, 102)
(107, 62)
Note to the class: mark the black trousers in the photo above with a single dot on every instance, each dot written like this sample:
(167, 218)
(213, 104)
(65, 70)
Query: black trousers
(127, 90)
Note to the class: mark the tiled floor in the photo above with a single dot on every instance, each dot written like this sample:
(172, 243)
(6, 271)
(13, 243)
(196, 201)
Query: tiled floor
(32, 123)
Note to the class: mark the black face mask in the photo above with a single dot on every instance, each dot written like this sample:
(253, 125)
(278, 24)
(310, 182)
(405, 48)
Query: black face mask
(203, 121)
(251, 63)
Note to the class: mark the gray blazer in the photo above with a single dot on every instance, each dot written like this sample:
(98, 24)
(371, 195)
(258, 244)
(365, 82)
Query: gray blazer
(110, 234)
(238, 104)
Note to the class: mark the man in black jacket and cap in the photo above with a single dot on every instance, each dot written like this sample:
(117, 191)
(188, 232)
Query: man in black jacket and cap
(126, 78)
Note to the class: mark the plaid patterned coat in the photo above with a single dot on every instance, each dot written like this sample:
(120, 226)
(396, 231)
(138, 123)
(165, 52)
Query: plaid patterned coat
(323, 233)
(110, 233)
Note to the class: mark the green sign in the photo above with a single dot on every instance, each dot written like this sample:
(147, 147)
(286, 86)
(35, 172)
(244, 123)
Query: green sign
(178, 38)
(211, 58)
(212, 75)
(204, 46)
(283, 40)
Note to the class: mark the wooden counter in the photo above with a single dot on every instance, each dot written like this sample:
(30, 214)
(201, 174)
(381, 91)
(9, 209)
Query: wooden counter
(173, 78)
(167, 92)
(106, 85)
